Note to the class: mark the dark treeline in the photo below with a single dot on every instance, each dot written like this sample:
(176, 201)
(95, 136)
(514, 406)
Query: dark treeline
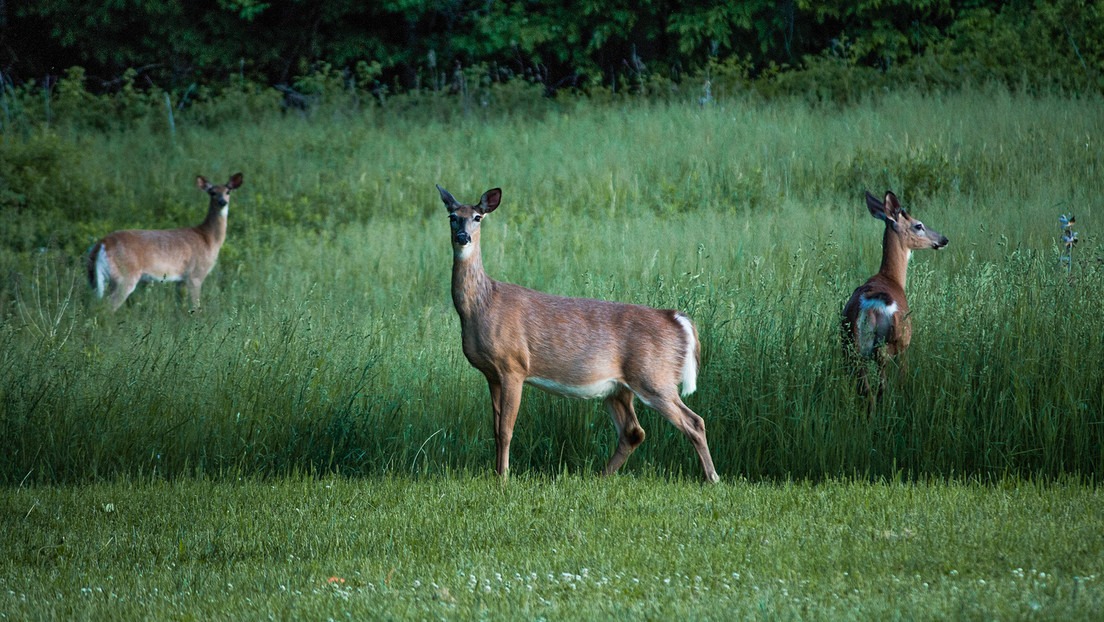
(579, 44)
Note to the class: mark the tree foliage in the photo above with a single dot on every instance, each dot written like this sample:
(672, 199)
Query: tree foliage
(577, 43)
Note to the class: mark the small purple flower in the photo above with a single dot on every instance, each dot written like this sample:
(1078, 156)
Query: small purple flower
(1069, 238)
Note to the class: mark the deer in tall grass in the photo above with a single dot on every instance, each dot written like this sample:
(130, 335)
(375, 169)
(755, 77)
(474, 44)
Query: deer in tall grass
(124, 258)
(575, 347)
(876, 320)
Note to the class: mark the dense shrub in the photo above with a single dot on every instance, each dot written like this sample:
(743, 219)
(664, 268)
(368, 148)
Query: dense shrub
(597, 47)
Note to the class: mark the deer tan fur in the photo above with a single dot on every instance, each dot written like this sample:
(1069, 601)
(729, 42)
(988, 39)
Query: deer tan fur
(124, 258)
(876, 320)
(570, 346)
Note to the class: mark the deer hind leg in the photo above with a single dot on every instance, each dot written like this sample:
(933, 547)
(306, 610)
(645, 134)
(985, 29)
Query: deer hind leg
(862, 384)
(505, 400)
(881, 358)
(858, 366)
(869, 390)
(860, 371)
(629, 433)
(870, 349)
(122, 287)
(671, 406)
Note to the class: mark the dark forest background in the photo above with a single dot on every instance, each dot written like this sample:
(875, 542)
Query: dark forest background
(579, 45)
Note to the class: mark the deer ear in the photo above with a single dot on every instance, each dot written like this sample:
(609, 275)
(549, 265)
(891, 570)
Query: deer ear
(876, 207)
(235, 181)
(892, 205)
(446, 198)
(202, 183)
(490, 200)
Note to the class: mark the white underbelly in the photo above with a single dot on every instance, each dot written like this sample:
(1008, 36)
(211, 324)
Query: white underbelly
(602, 388)
(161, 277)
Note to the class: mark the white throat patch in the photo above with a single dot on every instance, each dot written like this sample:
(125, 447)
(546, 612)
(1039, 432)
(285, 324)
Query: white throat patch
(464, 251)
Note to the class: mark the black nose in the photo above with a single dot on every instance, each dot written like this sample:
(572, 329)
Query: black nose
(462, 237)
(942, 242)
(223, 202)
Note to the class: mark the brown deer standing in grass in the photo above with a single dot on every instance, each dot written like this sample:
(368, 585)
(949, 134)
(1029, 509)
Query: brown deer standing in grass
(126, 257)
(876, 323)
(570, 346)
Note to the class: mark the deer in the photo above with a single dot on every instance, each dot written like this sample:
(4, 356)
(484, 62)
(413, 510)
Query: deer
(124, 258)
(876, 321)
(575, 347)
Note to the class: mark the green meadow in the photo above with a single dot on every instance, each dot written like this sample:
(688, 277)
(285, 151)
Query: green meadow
(458, 546)
(316, 418)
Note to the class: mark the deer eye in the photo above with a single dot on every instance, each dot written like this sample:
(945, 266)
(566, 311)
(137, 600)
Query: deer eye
(918, 226)
(477, 218)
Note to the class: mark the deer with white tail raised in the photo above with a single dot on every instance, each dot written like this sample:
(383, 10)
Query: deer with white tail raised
(570, 346)
(876, 322)
(186, 255)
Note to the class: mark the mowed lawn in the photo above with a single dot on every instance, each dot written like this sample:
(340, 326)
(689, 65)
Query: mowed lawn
(551, 547)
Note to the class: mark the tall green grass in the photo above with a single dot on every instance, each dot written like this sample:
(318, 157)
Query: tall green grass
(327, 340)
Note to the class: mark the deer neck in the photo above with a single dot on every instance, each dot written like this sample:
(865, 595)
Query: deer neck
(214, 226)
(895, 257)
(471, 287)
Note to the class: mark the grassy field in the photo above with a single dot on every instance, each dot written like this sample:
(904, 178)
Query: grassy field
(317, 418)
(574, 547)
(328, 341)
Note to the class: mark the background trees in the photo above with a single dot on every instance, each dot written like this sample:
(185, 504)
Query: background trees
(561, 43)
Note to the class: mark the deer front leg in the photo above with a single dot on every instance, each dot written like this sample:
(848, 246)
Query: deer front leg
(902, 362)
(194, 286)
(505, 400)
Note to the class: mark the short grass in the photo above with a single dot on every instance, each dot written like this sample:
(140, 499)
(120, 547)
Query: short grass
(557, 547)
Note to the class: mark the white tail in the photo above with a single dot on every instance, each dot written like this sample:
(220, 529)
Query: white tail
(124, 258)
(570, 346)
(876, 323)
